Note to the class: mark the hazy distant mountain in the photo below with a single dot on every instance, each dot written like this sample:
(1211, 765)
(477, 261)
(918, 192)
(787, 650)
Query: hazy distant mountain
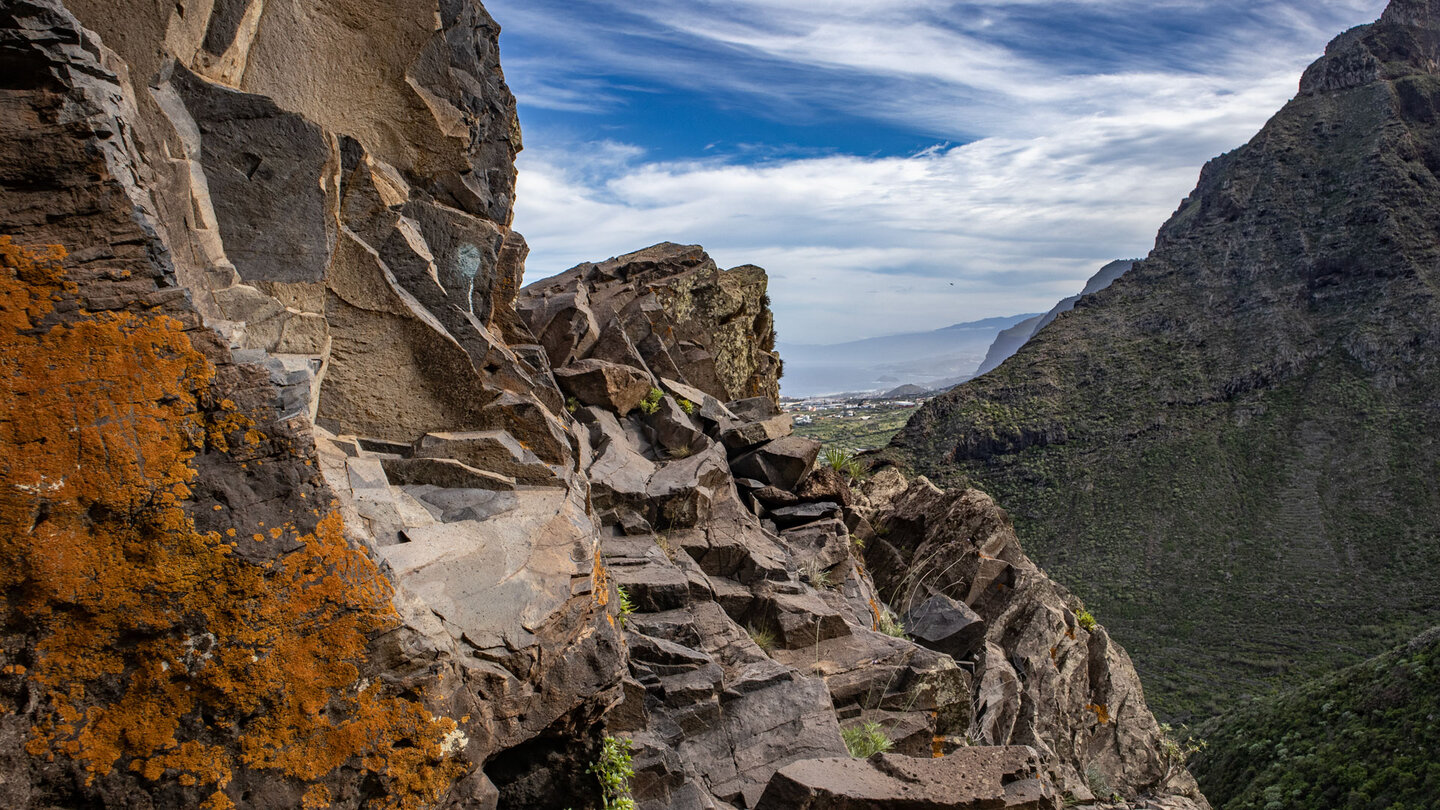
(927, 359)
(1010, 340)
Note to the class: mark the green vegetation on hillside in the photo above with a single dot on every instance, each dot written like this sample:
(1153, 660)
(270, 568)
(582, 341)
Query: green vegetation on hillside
(1367, 738)
(1233, 452)
(863, 429)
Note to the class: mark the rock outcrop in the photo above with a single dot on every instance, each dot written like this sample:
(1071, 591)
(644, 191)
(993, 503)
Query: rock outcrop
(1236, 435)
(668, 309)
(1046, 675)
(306, 504)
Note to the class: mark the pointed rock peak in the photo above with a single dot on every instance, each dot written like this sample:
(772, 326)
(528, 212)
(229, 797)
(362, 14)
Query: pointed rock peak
(1419, 13)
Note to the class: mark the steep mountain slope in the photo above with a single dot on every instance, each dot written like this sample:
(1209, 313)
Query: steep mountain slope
(1366, 736)
(1239, 435)
(1010, 340)
(923, 358)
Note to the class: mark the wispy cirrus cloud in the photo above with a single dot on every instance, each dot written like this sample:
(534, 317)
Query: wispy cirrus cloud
(895, 164)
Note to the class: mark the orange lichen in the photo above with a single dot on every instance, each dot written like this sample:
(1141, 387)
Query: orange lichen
(937, 746)
(315, 798)
(1102, 712)
(599, 582)
(155, 648)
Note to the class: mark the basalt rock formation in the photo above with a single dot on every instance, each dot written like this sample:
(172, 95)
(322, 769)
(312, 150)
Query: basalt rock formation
(306, 504)
(1237, 436)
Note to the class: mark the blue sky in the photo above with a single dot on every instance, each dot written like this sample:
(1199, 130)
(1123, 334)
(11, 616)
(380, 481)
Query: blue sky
(896, 165)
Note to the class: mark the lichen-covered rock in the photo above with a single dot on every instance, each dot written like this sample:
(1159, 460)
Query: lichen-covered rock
(668, 308)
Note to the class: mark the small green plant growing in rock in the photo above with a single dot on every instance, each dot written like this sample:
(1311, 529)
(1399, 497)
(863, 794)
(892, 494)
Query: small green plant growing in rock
(890, 625)
(857, 543)
(614, 769)
(1086, 620)
(651, 404)
(627, 605)
(843, 462)
(1174, 752)
(817, 575)
(572, 404)
(1098, 783)
(763, 637)
(866, 740)
(686, 405)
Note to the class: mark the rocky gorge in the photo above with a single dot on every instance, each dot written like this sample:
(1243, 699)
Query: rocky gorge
(309, 504)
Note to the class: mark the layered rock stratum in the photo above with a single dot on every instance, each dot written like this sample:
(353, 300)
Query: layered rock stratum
(1231, 449)
(307, 504)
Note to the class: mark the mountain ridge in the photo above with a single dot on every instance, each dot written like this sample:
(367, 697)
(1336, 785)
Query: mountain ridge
(1249, 409)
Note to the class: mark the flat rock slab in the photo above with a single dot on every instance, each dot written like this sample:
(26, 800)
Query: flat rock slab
(445, 473)
(503, 578)
(979, 778)
(490, 450)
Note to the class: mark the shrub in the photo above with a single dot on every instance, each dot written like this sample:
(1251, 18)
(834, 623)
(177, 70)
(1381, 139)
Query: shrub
(763, 637)
(651, 404)
(817, 575)
(614, 769)
(664, 543)
(1098, 783)
(1174, 753)
(686, 405)
(843, 462)
(889, 625)
(627, 605)
(572, 404)
(1086, 620)
(866, 740)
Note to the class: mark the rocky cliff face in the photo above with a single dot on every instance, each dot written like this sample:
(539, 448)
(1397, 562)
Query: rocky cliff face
(306, 504)
(1235, 437)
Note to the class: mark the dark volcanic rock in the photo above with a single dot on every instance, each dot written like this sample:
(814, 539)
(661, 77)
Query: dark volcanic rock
(943, 624)
(781, 463)
(605, 384)
(682, 317)
(969, 779)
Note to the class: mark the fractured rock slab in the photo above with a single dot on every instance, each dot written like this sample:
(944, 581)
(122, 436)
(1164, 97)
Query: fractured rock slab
(969, 779)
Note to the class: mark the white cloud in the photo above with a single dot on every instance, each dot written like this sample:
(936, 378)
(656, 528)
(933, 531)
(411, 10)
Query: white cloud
(1071, 168)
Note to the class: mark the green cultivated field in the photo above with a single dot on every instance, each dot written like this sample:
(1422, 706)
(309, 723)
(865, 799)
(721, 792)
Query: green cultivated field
(866, 429)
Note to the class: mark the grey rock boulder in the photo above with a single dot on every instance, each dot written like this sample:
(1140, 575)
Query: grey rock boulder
(782, 463)
(945, 625)
(604, 384)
